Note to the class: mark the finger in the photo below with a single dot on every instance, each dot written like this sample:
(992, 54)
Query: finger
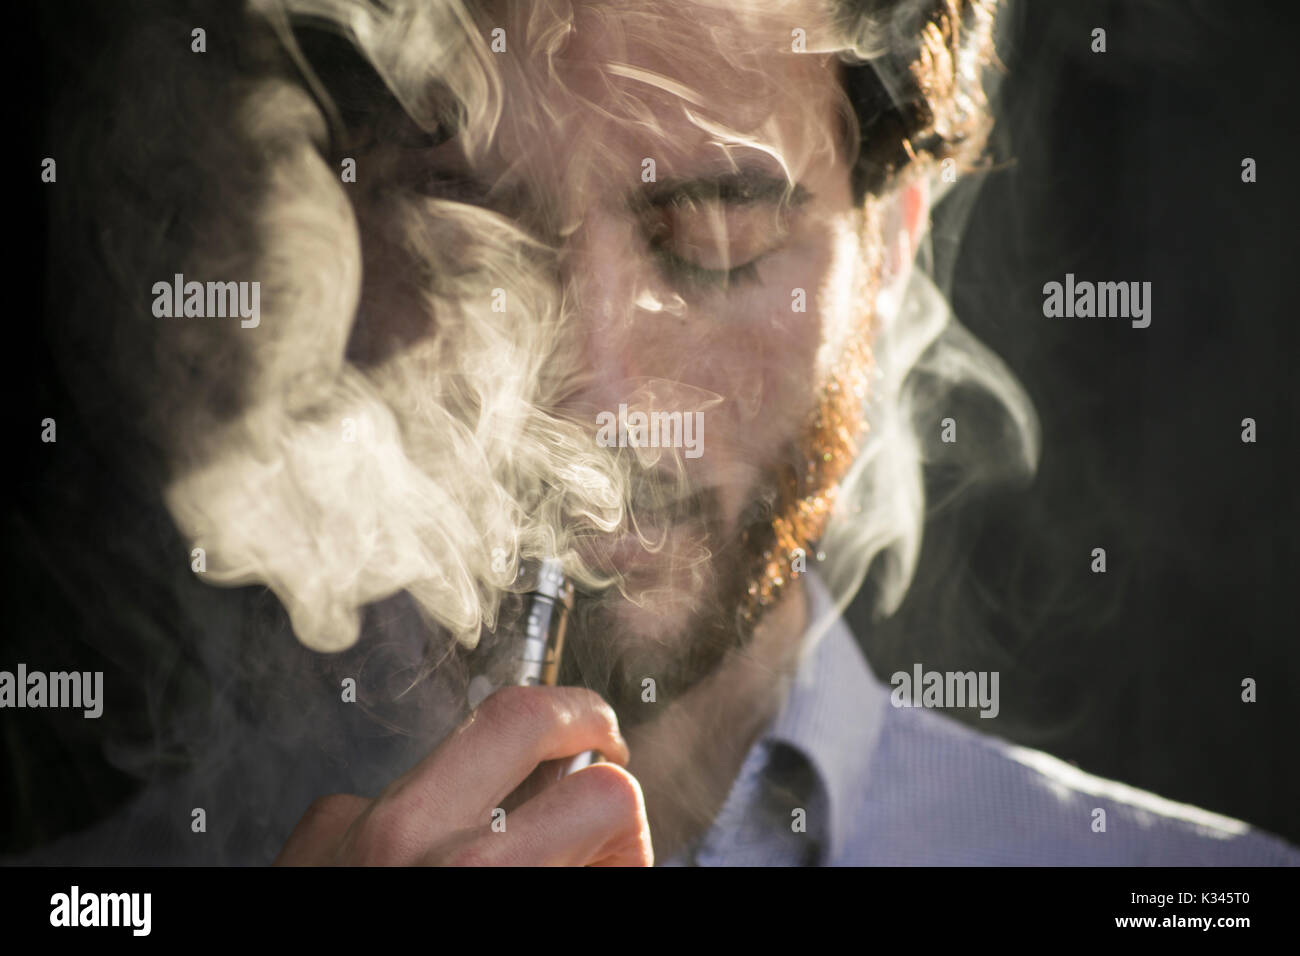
(316, 838)
(546, 774)
(596, 815)
(493, 752)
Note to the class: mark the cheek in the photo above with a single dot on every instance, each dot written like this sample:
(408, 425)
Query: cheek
(752, 348)
(762, 348)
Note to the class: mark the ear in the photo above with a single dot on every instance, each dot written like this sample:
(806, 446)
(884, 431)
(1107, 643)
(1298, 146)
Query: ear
(906, 218)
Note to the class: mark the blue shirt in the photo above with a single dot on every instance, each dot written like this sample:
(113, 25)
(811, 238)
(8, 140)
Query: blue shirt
(880, 785)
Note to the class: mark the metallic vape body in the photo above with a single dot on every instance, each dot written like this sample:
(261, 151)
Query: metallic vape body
(543, 640)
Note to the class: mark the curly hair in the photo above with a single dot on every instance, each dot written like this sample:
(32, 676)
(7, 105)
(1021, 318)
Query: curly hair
(918, 86)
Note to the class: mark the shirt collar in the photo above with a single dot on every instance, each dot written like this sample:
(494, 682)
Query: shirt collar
(832, 713)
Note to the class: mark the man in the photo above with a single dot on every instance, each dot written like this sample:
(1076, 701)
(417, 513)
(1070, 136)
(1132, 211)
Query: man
(775, 750)
(546, 217)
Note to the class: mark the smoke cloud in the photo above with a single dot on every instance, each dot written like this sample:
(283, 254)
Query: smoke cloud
(348, 471)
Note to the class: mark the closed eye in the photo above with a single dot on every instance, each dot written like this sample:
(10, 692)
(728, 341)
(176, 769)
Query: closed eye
(707, 234)
(685, 273)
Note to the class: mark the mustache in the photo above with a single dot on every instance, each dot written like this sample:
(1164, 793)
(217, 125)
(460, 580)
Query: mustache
(652, 497)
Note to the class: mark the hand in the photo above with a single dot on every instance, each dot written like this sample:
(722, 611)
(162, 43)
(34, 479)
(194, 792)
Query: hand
(440, 813)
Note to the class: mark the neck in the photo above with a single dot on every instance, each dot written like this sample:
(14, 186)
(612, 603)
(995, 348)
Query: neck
(687, 758)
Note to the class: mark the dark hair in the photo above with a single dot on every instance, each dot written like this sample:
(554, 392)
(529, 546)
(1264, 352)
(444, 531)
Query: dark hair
(922, 100)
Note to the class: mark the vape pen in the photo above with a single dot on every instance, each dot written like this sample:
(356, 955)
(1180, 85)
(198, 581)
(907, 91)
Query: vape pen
(543, 643)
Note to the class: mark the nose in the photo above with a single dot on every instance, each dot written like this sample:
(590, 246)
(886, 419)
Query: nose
(601, 274)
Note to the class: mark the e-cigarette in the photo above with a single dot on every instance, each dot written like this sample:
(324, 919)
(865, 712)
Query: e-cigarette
(543, 640)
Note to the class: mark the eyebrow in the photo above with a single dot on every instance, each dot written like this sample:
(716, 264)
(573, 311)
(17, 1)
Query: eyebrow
(742, 187)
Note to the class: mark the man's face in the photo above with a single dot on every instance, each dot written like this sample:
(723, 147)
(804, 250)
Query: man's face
(692, 174)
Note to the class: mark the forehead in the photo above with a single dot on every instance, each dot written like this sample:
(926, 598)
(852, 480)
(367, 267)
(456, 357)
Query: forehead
(591, 90)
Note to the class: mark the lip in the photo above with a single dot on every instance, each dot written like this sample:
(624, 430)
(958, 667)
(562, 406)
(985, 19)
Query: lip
(627, 552)
(630, 552)
(662, 527)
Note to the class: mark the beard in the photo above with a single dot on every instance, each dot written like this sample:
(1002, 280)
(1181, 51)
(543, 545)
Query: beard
(739, 574)
(621, 636)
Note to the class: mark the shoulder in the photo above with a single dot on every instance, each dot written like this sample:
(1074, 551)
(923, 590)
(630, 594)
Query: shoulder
(942, 793)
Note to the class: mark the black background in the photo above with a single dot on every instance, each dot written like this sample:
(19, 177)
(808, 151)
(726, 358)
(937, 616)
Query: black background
(1127, 166)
